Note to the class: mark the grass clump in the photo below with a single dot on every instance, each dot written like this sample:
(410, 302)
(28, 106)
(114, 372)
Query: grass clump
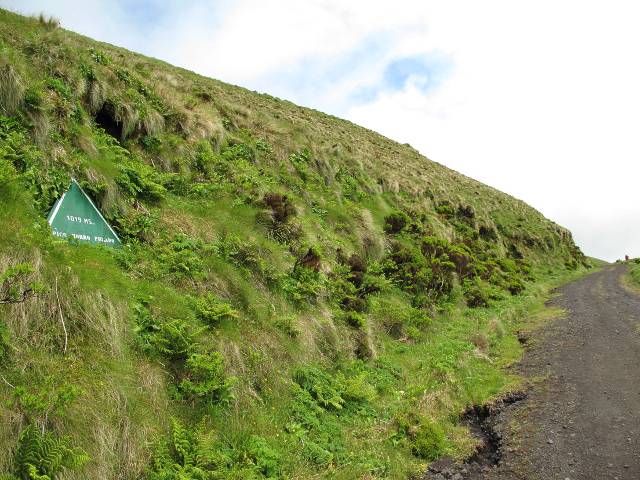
(11, 89)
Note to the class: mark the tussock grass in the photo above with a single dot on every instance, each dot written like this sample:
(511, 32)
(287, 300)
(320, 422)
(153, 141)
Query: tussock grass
(48, 22)
(11, 89)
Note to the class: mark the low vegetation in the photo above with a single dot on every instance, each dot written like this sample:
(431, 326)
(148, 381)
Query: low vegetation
(296, 297)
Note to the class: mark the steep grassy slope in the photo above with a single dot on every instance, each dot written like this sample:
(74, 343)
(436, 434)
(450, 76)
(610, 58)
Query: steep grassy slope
(298, 297)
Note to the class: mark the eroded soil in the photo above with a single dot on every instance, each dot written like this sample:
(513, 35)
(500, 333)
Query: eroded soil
(581, 416)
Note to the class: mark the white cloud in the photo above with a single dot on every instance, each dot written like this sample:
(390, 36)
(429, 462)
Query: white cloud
(542, 101)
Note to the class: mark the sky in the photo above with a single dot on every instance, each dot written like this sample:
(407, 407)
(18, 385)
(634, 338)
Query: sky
(538, 99)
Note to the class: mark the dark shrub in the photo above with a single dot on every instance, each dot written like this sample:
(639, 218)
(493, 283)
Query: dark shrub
(395, 222)
(355, 320)
(281, 207)
(310, 260)
(514, 252)
(488, 234)
(515, 287)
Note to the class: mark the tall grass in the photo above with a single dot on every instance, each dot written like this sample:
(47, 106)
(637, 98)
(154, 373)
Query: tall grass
(11, 89)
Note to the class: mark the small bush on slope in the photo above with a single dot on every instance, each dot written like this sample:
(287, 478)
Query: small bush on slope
(211, 310)
(205, 378)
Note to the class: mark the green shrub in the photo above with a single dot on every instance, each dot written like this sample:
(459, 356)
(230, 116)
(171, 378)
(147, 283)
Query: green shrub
(418, 274)
(15, 146)
(266, 460)
(47, 185)
(132, 224)
(189, 454)
(138, 180)
(46, 397)
(204, 377)
(488, 233)
(33, 99)
(264, 147)
(515, 286)
(303, 286)
(57, 85)
(322, 387)
(317, 429)
(100, 57)
(479, 293)
(476, 293)
(5, 341)
(211, 310)
(300, 161)
(239, 151)
(175, 339)
(288, 325)
(43, 455)
(428, 442)
(7, 170)
(181, 256)
(252, 259)
(342, 292)
(350, 184)
(446, 210)
(397, 317)
(320, 397)
(87, 71)
(355, 320)
(17, 284)
(395, 222)
(205, 157)
(193, 453)
(335, 391)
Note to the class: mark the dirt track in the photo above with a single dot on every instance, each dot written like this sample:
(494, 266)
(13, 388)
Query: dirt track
(582, 419)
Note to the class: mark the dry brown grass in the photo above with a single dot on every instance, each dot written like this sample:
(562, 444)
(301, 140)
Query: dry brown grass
(11, 89)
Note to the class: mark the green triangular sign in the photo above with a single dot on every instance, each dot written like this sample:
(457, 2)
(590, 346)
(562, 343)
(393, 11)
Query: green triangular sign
(75, 216)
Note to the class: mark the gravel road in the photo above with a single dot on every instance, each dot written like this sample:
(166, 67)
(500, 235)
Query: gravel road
(581, 419)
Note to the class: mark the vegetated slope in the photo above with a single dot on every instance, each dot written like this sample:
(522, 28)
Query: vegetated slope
(297, 296)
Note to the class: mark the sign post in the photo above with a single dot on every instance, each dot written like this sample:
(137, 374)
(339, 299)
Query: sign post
(75, 216)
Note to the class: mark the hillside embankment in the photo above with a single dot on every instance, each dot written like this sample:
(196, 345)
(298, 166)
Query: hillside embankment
(295, 296)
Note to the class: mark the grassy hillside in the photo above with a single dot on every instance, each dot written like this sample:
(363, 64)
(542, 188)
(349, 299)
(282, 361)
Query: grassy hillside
(297, 297)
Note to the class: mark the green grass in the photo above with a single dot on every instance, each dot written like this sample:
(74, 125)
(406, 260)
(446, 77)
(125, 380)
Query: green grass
(280, 338)
(634, 272)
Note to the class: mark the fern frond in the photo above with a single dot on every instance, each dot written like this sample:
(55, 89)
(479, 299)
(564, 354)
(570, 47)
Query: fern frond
(41, 456)
(181, 441)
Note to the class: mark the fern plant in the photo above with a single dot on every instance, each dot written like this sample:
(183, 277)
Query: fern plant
(43, 455)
